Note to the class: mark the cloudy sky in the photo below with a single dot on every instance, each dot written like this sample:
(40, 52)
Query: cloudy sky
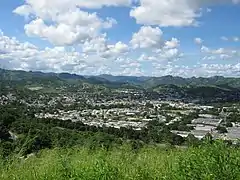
(122, 37)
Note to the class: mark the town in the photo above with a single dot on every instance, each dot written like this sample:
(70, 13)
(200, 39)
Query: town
(133, 109)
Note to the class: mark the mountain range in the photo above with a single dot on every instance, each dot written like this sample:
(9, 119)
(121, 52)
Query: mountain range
(144, 82)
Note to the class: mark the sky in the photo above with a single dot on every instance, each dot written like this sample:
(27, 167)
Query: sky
(122, 37)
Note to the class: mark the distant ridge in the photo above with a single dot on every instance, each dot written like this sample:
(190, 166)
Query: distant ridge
(146, 82)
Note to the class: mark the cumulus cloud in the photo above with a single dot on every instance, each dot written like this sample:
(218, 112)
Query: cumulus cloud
(157, 49)
(162, 55)
(173, 43)
(69, 23)
(115, 50)
(147, 37)
(96, 56)
(26, 56)
(205, 49)
(100, 47)
(62, 22)
(166, 13)
(203, 70)
(47, 7)
(220, 53)
(198, 40)
(171, 12)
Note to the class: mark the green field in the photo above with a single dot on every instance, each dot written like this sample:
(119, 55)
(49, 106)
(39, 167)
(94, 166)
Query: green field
(208, 162)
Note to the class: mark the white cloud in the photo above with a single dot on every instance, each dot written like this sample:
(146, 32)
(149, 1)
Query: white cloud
(173, 43)
(171, 12)
(166, 13)
(225, 56)
(119, 48)
(96, 45)
(24, 10)
(144, 57)
(62, 22)
(147, 37)
(220, 53)
(60, 34)
(198, 40)
(162, 55)
(234, 39)
(113, 51)
(100, 47)
(169, 54)
(205, 49)
(203, 70)
(97, 56)
(209, 57)
(47, 7)
(26, 56)
(157, 49)
(129, 71)
(224, 38)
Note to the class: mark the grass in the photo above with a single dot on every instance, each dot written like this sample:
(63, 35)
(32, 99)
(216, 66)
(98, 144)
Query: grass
(209, 162)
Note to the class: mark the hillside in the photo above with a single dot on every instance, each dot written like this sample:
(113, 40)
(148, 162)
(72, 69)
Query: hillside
(200, 81)
(65, 126)
(215, 161)
(201, 89)
(146, 82)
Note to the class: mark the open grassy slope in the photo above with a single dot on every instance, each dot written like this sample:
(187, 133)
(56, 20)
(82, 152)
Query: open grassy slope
(208, 162)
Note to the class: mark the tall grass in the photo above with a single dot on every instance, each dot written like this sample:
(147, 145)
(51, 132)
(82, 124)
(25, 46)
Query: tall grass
(209, 162)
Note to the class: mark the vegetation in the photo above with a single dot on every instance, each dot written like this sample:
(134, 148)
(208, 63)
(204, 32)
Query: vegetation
(209, 161)
(205, 90)
(221, 129)
(48, 148)
(34, 134)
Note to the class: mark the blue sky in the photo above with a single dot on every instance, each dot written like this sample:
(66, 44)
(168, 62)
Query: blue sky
(122, 37)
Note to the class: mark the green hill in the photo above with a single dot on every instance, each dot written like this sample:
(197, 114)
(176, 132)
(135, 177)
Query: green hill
(208, 162)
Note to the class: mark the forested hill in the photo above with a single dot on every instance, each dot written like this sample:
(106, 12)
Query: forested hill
(146, 82)
(180, 81)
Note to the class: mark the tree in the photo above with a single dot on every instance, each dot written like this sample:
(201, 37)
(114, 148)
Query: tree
(192, 140)
(234, 117)
(174, 139)
(149, 105)
(208, 138)
(221, 129)
(229, 124)
(4, 134)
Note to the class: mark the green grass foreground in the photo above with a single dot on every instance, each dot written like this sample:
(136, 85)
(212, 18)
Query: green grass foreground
(208, 162)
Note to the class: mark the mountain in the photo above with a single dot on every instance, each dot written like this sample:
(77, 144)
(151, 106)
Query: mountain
(119, 81)
(24, 77)
(152, 82)
(125, 79)
(200, 81)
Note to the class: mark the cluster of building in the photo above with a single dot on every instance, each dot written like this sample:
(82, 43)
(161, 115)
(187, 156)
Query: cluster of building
(207, 124)
(5, 99)
(123, 108)
(116, 117)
